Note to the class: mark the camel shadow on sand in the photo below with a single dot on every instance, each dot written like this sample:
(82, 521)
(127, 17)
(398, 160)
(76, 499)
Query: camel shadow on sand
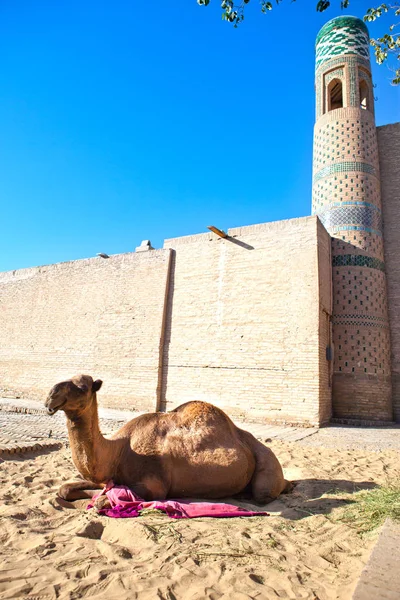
(316, 497)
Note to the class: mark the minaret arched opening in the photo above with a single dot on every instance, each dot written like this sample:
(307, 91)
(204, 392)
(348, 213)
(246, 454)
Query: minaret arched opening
(364, 95)
(335, 94)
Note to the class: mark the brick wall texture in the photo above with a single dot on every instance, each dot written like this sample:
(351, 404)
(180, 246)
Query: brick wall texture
(240, 322)
(389, 156)
(98, 316)
(248, 324)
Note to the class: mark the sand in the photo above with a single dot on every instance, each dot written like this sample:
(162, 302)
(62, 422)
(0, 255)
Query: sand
(52, 549)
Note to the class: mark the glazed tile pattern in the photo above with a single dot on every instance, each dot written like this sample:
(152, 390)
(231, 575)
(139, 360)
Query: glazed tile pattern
(340, 228)
(369, 218)
(360, 321)
(342, 36)
(357, 260)
(344, 167)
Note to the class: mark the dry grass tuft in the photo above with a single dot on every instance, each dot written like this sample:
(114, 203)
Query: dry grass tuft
(370, 508)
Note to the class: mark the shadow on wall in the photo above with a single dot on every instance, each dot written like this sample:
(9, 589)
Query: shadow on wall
(239, 243)
(166, 342)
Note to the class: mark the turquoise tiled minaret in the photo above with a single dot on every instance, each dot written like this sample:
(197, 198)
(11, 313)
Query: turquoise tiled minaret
(347, 199)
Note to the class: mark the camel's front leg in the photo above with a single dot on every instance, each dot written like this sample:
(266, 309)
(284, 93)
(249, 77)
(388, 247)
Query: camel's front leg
(79, 490)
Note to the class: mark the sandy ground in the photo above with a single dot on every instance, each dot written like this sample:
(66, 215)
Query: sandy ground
(52, 550)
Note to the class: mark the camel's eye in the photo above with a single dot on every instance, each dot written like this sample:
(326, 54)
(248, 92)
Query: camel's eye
(83, 388)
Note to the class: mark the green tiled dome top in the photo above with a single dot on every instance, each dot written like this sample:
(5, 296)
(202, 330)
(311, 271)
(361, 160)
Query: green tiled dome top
(343, 35)
(340, 23)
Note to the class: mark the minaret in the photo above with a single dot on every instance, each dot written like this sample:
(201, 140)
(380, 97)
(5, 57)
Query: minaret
(347, 199)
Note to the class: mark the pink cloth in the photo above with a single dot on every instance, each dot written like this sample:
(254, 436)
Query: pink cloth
(125, 503)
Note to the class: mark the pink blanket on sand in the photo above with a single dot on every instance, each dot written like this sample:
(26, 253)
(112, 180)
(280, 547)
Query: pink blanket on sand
(125, 503)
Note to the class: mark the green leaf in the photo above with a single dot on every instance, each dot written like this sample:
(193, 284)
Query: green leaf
(266, 6)
(323, 5)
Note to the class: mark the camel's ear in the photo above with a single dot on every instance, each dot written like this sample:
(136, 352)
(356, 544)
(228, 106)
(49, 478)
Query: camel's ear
(97, 385)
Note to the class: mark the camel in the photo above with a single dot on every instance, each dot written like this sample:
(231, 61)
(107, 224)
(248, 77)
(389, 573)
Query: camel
(193, 451)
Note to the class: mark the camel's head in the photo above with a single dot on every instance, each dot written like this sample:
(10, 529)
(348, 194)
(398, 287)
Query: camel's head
(73, 396)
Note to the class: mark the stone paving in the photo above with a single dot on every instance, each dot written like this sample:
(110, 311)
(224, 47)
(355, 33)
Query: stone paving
(24, 422)
(380, 578)
(26, 427)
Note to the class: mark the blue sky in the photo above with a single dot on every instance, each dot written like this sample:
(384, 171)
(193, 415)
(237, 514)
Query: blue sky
(122, 121)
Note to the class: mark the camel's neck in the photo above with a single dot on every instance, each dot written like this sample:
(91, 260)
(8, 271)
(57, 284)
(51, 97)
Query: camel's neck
(91, 452)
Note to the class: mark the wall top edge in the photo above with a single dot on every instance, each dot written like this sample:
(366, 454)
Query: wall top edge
(271, 225)
(395, 125)
(188, 239)
(244, 230)
(113, 259)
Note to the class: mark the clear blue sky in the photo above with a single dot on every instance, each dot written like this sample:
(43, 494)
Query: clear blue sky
(122, 121)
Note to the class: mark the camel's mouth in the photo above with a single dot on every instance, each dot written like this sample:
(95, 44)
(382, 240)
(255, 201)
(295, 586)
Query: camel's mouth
(51, 410)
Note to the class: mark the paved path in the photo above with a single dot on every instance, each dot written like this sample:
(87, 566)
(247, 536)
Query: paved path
(380, 578)
(23, 422)
(26, 422)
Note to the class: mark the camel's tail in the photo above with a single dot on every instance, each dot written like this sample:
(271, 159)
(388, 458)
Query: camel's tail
(290, 485)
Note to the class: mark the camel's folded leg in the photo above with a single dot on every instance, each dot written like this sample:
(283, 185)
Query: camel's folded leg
(78, 490)
(101, 503)
(268, 481)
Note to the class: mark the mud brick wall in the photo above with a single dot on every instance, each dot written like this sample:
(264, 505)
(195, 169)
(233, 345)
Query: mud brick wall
(389, 158)
(248, 322)
(243, 323)
(103, 317)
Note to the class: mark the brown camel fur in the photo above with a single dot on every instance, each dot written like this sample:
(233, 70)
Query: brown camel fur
(195, 450)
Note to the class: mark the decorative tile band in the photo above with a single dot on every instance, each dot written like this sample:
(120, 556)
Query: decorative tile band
(354, 92)
(345, 215)
(349, 60)
(363, 324)
(365, 317)
(344, 167)
(361, 321)
(357, 260)
(354, 228)
(352, 203)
